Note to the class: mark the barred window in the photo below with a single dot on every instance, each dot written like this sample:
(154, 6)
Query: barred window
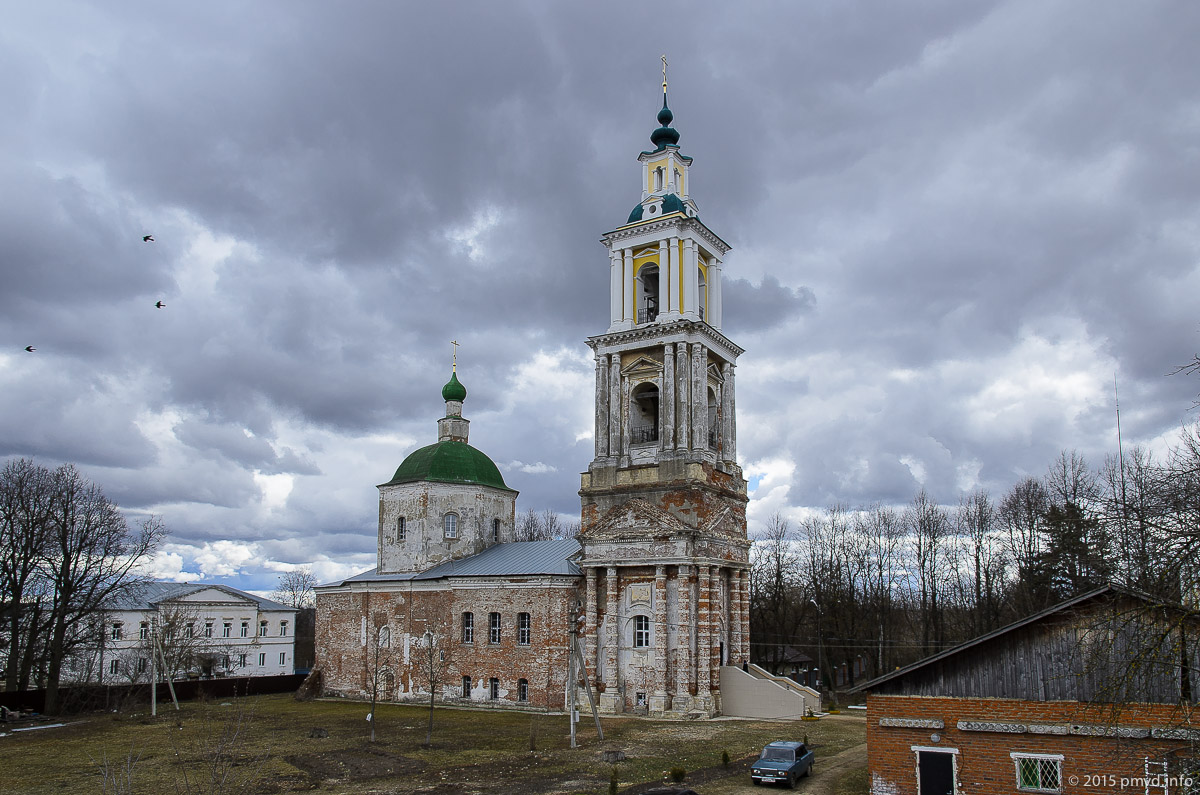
(523, 629)
(641, 632)
(493, 627)
(468, 628)
(1038, 772)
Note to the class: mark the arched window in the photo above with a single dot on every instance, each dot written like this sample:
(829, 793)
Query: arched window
(450, 525)
(522, 690)
(643, 411)
(385, 637)
(658, 178)
(641, 632)
(647, 293)
(713, 418)
(495, 531)
(401, 529)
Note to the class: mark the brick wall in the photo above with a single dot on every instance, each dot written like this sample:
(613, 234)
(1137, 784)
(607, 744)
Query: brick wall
(348, 663)
(983, 763)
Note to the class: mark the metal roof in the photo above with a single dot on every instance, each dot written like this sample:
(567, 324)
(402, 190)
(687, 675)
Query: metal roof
(148, 595)
(513, 559)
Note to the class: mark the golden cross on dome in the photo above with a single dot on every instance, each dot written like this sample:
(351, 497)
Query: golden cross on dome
(664, 60)
(454, 357)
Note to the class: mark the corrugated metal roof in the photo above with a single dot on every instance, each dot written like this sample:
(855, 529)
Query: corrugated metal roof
(145, 597)
(514, 559)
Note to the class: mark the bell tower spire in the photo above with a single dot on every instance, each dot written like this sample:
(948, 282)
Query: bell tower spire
(663, 503)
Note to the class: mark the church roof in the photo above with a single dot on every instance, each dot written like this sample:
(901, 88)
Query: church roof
(514, 559)
(449, 462)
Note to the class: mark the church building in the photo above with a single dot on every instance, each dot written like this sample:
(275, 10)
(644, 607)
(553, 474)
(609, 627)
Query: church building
(657, 583)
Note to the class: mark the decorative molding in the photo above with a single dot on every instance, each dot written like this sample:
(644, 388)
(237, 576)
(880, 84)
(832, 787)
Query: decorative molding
(991, 726)
(911, 723)
(1091, 730)
(1175, 734)
(1048, 728)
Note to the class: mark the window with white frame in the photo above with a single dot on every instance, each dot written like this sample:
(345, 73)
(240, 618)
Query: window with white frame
(116, 632)
(1038, 772)
(283, 658)
(141, 665)
(245, 629)
(241, 661)
(493, 627)
(283, 629)
(208, 629)
(114, 666)
(144, 631)
(262, 659)
(450, 525)
(641, 632)
(190, 630)
(468, 627)
(226, 630)
(523, 628)
(226, 662)
(262, 628)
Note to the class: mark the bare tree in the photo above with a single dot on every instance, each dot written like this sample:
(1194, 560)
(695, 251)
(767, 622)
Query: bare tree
(26, 506)
(432, 659)
(91, 556)
(546, 525)
(295, 588)
(776, 608)
(928, 528)
(380, 668)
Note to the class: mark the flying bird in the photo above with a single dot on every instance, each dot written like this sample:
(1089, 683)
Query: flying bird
(159, 305)
(30, 348)
(147, 238)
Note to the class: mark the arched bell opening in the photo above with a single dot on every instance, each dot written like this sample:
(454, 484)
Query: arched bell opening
(714, 434)
(643, 414)
(647, 293)
(702, 283)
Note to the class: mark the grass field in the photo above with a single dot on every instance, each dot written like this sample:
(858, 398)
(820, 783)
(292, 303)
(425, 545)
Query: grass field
(263, 745)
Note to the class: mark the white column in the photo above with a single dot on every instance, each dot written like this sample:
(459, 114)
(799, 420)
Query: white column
(691, 282)
(627, 280)
(601, 406)
(699, 398)
(673, 251)
(614, 405)
(616, 309)
(667, 403)
(683, 396)
(731, 439)
(664, 279)
(714, 293)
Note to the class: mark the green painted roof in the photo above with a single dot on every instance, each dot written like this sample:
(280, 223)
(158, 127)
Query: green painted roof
(449, 462)
(636, 215)
(453, 390)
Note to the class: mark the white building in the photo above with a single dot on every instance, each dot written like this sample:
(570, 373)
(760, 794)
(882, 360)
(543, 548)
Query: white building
(202, 629)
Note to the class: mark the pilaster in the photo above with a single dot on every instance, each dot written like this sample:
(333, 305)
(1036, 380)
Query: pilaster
(601, 406)
(591, 622)
(630, 311)
(658, 699)
(704, 637)
(667, 404)
(683, 395)
(610, 700)
(685, 637)
(614, 406)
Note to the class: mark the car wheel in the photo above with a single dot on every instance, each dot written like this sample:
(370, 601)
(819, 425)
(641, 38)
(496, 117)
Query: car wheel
(791, 782)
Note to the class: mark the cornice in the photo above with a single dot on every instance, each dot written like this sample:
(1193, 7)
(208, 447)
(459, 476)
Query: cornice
(676, 331)
(677, 221)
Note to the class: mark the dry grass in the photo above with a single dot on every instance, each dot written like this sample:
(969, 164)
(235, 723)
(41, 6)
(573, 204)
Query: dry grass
(472, 750)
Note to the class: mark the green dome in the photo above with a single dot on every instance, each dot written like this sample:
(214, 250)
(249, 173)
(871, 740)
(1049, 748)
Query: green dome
(454, 390)
(449, 462)
(672, 204)
(666, 134)
(636, 214)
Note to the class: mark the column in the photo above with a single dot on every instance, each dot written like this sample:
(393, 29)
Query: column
(673, 256)
(614, 405)
(591, 623)
(683, 396)
(630, 311)
(699, 398)
(610, 699)
(683, 640)
(731, 438)
(714, 293)
(658, 701)
(726, 410)
(615, 308)
(666, 406)
(601, 405)
(744, 618)
(704, 636)
(691, 282)
(735, 618)
(665, 279)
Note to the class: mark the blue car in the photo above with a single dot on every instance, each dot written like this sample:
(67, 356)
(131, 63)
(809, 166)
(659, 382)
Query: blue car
(782, 762)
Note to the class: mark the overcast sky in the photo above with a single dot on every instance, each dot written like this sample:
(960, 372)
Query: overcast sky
(953, 225)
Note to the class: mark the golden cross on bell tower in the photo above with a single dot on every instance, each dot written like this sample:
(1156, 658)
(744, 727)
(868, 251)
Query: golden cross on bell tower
(454, 357)
(664, 60)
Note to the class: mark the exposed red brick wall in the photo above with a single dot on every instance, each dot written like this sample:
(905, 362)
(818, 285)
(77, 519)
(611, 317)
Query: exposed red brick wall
(984, 764)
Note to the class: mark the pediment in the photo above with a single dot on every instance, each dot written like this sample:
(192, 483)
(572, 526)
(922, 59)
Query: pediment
(214, 596)
(714, 374)
(646, 252)
(642, 367)
(635, 519)
(719, 523)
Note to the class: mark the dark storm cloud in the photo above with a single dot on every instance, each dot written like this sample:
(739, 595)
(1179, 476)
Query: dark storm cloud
(950, 224)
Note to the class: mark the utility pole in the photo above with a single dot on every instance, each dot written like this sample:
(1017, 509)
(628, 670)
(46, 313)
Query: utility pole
(820, 647)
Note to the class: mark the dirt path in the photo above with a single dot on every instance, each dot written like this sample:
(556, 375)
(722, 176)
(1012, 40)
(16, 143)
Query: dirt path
(825, 775)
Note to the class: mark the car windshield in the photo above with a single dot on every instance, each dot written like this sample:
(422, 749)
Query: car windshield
(778, 754)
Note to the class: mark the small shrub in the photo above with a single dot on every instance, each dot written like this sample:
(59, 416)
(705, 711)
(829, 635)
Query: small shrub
(725, 758)
(676, 774)
(806, 738)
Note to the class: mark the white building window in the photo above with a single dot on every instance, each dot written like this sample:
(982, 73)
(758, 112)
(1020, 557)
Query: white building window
(114, 666)
(641, 632)
(262, 659)
(144, 631)
(495, 531)
(208, 629)
(241, 661)
(245, 629)
(190, 630)
(262, 628)
(493, 627)
(450, 525)
(468, 628)
(283, 658)
(141, 666)
(226, 630)
(116, 632)
(283, 629)
(1038, 772)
